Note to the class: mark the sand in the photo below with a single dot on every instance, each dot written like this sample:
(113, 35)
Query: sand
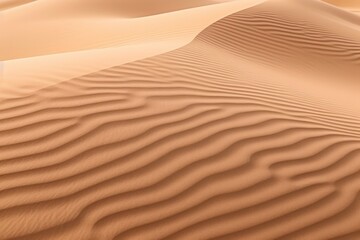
(348, 5)
(7, 4)
(224, 120)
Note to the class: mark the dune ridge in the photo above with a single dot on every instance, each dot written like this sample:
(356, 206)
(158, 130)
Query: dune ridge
(80, 50)
(348, 5)
(8, 4)
(213, 140)
(105, 8)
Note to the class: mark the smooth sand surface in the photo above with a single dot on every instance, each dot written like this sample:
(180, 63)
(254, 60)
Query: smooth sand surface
(246, 127)
(7, 4)
(350, 5)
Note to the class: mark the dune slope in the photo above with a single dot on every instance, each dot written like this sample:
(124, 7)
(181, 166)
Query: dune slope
(90, 44)
(245, 133)
(349, 5)
(7, 4)
(105, 8)
(52, 27)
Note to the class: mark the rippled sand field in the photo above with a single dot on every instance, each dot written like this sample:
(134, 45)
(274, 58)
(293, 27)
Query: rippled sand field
(154, 119)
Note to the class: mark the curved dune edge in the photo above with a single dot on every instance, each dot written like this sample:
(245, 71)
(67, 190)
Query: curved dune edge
(214, 140)
(40, 9)
(169, 31)
(61, 34)
(349, 5)
(8, 4)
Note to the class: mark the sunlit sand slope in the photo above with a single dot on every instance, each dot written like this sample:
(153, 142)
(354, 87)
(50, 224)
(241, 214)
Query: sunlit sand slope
(349, 5)
(7, 4)
(89, 44)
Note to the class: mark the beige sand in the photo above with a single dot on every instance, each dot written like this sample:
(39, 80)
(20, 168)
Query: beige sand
(7, 4)
(249, 131)
(116, 41)
(349, 5)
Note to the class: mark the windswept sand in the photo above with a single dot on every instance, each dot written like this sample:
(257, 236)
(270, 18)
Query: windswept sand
(7, 4)
(79, 48)
(244, 127)
(349, 5)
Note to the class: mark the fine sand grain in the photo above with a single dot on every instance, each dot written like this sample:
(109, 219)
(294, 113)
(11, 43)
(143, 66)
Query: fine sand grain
(245, 127)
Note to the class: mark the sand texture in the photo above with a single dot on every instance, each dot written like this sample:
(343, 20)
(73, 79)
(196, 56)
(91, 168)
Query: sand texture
(189, 120)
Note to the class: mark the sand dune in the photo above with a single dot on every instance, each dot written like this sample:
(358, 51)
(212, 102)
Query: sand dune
(345, 3)
(104, 8)
(349, 5)
(117, 42)
(250, 131)
(55, 32)
(7, 4)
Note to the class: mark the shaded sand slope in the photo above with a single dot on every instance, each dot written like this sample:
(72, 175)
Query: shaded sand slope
(210, 141)
(284, 38)
(321, 48)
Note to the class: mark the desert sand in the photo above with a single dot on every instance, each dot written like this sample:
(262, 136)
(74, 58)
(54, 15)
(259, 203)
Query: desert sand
(154, 119)
(349, 5)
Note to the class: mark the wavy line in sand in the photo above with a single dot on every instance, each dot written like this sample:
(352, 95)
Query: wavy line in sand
(190, 144)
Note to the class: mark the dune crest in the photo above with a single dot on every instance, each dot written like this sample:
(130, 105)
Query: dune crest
(350, 5)
(102, 8)
(249, 131)
(34, 65)
(7, 4)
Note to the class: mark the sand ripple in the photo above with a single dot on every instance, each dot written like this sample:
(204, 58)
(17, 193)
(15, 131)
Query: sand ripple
(210, 141)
